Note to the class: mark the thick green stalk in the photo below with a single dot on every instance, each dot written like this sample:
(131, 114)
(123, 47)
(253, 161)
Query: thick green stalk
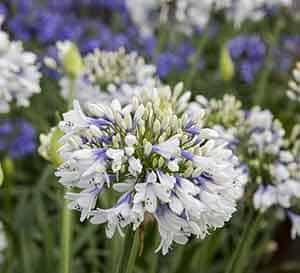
(66, 232)
(129, 253)
(240, 256)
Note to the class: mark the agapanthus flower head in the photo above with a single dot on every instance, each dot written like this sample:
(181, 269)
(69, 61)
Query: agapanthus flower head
(293, 91)
(184, 15)
(19, 75)
(248, 53)
(156, 160)
(110, 74)
(269, 161)
(17, 138)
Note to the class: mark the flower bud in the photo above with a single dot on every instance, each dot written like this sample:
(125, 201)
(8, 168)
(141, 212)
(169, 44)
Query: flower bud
(71, 58)
(50, 145)
(226, 65)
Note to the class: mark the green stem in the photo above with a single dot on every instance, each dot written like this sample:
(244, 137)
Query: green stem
(155, 256)
(71, 95)
(129, 253)
(66, 234)
(266, 73)
(66, 237)
(8, 184)
(241, 254)
(207, 251)
(194, 66)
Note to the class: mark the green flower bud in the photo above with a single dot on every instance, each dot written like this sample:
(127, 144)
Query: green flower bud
(54, 147)
(8, 167)
(226, 65)
(71, 58)
(50, 145)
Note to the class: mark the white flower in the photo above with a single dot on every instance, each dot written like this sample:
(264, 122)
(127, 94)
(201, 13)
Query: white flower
(264, 131)
(163, 161)
(264, 197)
(84, 201)
(117, 217)
(19, 75)
(295, 219)
(167, 149)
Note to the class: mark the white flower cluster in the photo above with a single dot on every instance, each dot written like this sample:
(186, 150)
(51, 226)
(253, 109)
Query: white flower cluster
(293, 91)
(19, 75)
(158, 163)
(184, 15)
(3, 243)
(273, 167)
(107, 75)
(265, 133)
(254, 10)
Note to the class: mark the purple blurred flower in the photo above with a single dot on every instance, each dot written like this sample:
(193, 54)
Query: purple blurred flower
(248, 52)
(287, 53)
(17, 138)
(176, 58)
(3, 9)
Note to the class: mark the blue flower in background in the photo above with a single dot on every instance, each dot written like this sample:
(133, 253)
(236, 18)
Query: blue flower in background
(176, 59)
(287, 53)
(17, 138)
(86, 22)
(248, 52)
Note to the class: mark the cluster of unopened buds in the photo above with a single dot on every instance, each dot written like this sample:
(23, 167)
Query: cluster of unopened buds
(102, 75)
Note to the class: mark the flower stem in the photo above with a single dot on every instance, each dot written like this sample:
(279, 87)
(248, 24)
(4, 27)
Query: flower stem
(66, 239)
(155, 256)
(66, 232)
(239, 258)
(129, 253)
(194, 66)
(266, 73)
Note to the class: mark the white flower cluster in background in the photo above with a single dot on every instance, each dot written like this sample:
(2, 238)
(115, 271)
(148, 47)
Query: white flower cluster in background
(293, 91)
(265, 133)
(258, 139)
(19, 75)
(3, 243)
(254, 10)
(184, 15)
(107, 75)
(156, 163)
